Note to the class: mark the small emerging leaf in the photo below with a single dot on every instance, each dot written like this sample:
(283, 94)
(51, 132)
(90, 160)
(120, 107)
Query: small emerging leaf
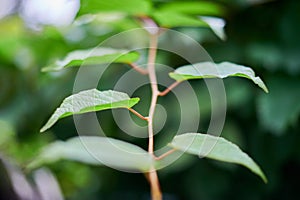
(92, 57)
(216, 148)
(95, 151)
(90, 101)
(212, 70)
(217, 26)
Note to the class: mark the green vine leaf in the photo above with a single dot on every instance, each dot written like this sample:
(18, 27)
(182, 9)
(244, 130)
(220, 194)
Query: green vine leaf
(180, 14)
(90, 101)
(131, 7)
(212, 70)
(95, 150)
(194, 8)
(216, 148)
(172, 19)
(92, 57)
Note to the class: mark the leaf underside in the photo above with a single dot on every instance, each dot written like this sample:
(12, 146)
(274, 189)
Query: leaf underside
(93, 57)
(216, 148)
(212, 70)
(95, 150)
(118, 154)
(90, 101)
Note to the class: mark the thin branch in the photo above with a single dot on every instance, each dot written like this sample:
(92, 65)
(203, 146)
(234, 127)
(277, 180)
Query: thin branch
(165, 154)
(154, 88)
(153, 178)
(138, 69)
(171, 87)
(138, 114)
(146, 174)
(155, 187)
(149, 25)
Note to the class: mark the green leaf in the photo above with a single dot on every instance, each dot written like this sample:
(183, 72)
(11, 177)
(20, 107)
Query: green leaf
(175, 14)
(95, 150)
(194, 8)
(212, 70)
(132, 7)
(90, 101)
(92, 57)
(172, 19)
(216, 148)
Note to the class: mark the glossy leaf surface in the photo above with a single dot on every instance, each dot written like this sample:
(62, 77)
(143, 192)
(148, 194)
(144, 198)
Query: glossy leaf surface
(93, 57)
(90, 101)
(212, 70)
(216, 148)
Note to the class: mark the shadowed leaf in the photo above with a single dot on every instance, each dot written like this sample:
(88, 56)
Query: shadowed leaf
(92, 57)
(95, 150)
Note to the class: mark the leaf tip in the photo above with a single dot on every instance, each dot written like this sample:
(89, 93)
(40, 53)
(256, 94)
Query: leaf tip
(266, 90)
(43, 129)
(265, 179)
(262, 175)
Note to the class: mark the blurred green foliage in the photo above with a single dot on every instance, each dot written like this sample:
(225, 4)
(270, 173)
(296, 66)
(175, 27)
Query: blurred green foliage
(263, 35)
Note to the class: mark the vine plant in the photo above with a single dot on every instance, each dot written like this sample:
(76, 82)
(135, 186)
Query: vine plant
(108, 151)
